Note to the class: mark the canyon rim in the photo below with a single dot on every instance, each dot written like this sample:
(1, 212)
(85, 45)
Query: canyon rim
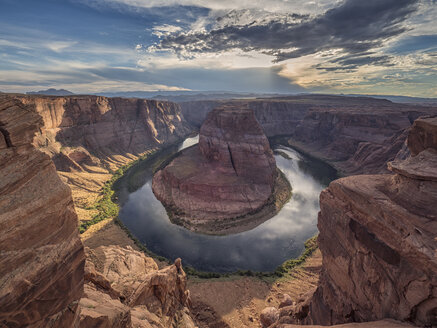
(218, 164)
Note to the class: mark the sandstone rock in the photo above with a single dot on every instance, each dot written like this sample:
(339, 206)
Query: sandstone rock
(354, 134)
(286, 301)
(423, 135)
(232, 137)
(101, 310)
(231, 173)
(374, 324)
(124, 288)
(41, 258)
(378, 240)
(269, 316)
(103, 127)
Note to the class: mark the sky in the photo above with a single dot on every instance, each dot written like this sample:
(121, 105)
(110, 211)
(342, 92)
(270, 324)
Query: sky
(386, 47)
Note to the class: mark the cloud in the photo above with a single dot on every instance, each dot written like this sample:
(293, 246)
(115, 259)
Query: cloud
(13, 44)
(354, 27)
(273, 5)
(59, 46)
(166, 29)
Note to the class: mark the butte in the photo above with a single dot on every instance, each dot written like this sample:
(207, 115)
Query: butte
(227, 183)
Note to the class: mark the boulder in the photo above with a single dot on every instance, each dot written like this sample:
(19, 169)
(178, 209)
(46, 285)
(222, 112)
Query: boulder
(269, 316)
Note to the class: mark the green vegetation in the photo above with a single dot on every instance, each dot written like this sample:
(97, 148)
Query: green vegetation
(281, 271)
(106, 205)
(287, 266)
(283, 154)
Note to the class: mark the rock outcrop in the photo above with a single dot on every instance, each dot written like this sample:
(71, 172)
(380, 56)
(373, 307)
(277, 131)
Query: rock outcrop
(232, 137)
(125, 289)
(81, 131)
(354, 134)
(378, 240)
(230, 174)
(41, 255)
(42, 260)
(90, 137)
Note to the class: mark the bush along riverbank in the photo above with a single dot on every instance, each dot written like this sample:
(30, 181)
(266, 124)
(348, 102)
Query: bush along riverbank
(281, 271)
(106, 206)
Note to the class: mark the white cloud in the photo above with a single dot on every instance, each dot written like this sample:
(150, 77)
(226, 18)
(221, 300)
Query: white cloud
(14, 44)
(24, 81)
(166, 29)
(59, 46)
(297, 6)
(226, 60)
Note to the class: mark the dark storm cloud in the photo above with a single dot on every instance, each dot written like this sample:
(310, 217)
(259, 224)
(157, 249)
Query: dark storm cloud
(355, 26)
(352, 62)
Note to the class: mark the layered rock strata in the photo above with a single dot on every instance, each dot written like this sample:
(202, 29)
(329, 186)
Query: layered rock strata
(378, 240)
(354, 134)
(80, 132)
(125, 289)
(41, 256)
(90, 137)
(231, 173)
(42, 277)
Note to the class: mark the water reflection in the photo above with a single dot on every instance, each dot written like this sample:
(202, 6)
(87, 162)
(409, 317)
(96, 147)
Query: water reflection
(260, 249)
(189, 142)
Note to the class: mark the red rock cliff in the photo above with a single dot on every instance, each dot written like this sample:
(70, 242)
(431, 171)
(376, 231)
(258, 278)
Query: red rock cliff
(41, 256)
(233, 137)
(95, 130)
(378, 240)
(355, 134)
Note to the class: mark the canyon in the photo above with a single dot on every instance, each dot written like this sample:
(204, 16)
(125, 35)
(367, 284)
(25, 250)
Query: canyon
(382, 263)
(355, 135)
(48, 279)
(377, 232)
(226, 180)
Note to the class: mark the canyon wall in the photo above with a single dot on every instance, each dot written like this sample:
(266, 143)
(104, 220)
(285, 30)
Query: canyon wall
(84, 131)
(354, 134)
(41, 258)
(90, 137)
(378, 241)
(233, 137)
(42, 278)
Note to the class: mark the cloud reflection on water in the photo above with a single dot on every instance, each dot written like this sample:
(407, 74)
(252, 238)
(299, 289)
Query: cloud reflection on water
(260, 249)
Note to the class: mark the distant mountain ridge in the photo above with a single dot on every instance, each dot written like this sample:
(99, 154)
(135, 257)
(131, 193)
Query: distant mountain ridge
(189, 95)
(51, 92)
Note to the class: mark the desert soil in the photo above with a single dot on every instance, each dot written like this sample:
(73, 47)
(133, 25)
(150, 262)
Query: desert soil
(236, 302)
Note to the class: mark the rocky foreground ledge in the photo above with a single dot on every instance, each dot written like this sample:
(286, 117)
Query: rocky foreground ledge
(226, 180)
(378, 237)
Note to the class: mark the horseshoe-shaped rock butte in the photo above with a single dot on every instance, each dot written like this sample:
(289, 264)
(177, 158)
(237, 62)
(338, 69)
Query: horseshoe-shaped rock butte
(228, 182)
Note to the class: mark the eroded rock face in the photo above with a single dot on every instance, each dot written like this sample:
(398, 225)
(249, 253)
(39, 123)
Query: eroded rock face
(232, 137)
(229, 174)
(354, 134)
(423, 135)
(378, 240)
(124, 288)
(81, 131)
(41, 257)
